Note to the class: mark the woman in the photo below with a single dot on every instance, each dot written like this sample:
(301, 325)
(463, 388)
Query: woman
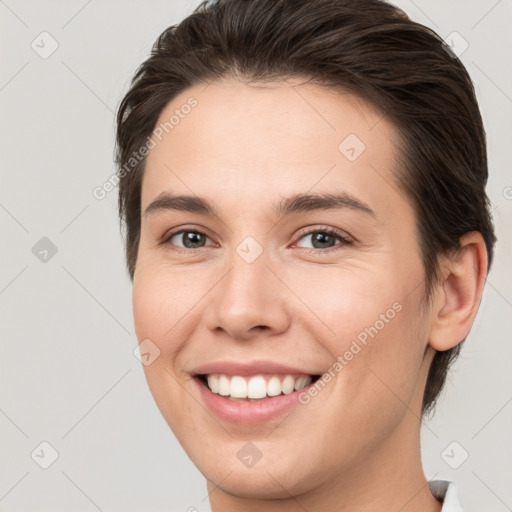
(307, 230)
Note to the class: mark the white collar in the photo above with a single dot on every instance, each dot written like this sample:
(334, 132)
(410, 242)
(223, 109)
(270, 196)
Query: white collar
(446, 492)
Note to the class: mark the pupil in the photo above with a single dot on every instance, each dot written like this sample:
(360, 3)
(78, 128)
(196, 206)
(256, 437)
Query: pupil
(192, 239)
(323, 239)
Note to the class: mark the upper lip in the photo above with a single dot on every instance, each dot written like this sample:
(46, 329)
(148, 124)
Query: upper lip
(246, 368)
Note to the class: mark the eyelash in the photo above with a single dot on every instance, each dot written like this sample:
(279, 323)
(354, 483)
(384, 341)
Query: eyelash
(344, 241)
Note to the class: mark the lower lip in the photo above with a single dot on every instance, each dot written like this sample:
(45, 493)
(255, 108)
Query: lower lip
(248, 413)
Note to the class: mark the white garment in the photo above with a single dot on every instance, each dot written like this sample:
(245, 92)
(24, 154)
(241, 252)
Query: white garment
(446, 492)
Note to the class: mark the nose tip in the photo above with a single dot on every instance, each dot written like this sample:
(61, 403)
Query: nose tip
(248, 303)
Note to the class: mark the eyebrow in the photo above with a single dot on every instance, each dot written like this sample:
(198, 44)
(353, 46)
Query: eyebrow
(298, 203)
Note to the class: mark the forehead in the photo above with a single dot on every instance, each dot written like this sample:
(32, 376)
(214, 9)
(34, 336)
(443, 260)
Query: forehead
(246, 143)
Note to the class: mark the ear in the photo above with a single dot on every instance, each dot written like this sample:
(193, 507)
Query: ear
(458, 294)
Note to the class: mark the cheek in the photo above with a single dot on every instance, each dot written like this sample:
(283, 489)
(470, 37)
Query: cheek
(160, 305)
(159, 308)
(372, 324)
(346, 302)
(161, 301)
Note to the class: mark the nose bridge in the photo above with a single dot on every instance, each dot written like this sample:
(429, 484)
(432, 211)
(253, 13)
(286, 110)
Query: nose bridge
(248, 296)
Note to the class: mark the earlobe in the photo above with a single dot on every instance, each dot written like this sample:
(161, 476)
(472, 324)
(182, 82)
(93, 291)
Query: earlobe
(459, 292)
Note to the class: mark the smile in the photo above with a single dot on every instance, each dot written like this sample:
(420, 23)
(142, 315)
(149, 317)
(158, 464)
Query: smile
(257, 387)
(250, 394)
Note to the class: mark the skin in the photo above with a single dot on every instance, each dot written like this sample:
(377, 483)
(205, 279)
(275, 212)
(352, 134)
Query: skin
(355, 446)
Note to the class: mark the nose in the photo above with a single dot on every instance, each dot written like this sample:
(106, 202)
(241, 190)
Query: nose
(249, 301)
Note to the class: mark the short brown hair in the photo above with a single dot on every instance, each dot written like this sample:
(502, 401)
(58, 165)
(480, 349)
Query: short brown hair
(366, 47)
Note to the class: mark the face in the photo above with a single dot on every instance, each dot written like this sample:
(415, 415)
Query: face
(257, 290)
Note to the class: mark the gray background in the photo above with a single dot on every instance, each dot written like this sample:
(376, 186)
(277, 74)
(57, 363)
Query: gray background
(68, 374)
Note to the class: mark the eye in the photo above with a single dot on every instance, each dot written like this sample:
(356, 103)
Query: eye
(187, 239)
(323, 238)
(320, 238)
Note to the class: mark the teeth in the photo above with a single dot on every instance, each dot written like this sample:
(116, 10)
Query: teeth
(288, 384)
(302, 382)
(223, 385)
(274, 386)
(238, 387)
(256, 387)
(213, 384)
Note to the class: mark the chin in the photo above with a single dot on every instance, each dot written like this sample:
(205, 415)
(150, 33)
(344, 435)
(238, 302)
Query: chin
(253, 483)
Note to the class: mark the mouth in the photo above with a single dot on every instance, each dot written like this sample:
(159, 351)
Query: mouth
(254, 388)
(251, 392)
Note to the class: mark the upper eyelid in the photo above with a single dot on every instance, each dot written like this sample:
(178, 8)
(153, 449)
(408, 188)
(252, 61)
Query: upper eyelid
(321, 228)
